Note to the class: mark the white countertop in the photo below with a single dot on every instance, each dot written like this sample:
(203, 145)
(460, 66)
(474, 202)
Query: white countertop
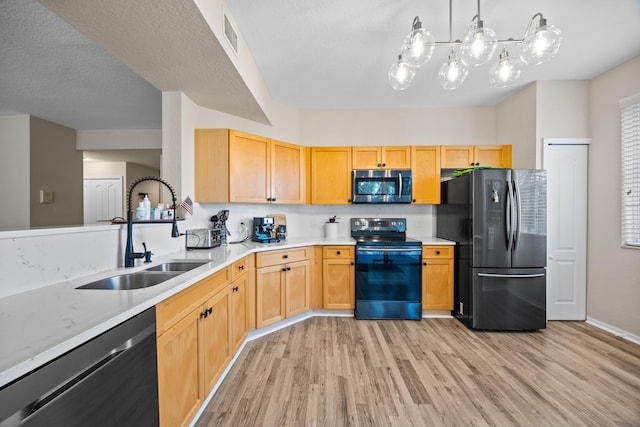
(40, 325)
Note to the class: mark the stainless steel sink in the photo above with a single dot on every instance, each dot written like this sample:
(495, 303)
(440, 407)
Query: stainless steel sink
(181, 266)
(143, 279)
(126, 282)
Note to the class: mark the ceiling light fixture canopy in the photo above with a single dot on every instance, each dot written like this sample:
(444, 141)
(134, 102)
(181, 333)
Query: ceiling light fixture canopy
(539, 44)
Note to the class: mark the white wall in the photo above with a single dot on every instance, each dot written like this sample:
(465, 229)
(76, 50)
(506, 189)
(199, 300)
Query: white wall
(613, 273)
(14, 169)
(516, 125)
(412, 126)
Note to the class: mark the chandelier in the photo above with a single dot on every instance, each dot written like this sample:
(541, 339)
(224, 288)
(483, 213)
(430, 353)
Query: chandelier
(539, 44)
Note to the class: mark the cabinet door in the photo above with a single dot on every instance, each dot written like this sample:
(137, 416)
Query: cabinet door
(297, 278)
(249, 158)
(338, 279)
(239, 311)
(287, 173)
(179, 389)
(425, 165)
(270, 298)
(498, 156)
(331, 175)
(456, 156)
(216, 338)
(211, 165)
(366, 157)
(437, 284)
(396, 157)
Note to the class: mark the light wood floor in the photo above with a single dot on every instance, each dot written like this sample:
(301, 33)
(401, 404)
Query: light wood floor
(336, 371)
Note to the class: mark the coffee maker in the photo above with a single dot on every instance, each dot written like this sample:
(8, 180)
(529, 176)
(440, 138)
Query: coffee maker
(263, 228)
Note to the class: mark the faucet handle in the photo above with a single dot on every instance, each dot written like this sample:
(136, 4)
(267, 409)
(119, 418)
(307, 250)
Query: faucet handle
(147, 254)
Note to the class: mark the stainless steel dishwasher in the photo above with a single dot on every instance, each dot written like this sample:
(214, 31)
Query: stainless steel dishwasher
(110, 380)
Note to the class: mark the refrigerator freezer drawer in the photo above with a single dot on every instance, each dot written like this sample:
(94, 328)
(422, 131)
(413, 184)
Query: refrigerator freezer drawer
(508, 299)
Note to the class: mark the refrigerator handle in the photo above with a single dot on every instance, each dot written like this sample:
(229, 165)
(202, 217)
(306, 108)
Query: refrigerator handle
(509, 215)
(517, 213)
(399, 184)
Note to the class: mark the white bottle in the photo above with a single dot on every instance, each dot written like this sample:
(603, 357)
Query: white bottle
(146, 203)
(140, 212)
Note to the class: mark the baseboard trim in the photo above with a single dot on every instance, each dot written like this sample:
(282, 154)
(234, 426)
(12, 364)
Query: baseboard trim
(615, 331)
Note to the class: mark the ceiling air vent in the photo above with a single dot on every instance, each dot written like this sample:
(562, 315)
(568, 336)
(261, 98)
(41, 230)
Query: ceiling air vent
(230, 34)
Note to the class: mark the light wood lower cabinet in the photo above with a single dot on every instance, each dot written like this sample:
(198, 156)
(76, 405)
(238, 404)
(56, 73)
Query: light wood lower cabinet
(338, 277)
(194, 346)
(282, 284)
(437, 277)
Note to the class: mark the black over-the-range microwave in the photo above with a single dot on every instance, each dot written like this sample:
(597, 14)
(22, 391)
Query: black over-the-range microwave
(382, 186)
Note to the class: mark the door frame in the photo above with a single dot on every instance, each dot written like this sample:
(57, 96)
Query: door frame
(547, 143)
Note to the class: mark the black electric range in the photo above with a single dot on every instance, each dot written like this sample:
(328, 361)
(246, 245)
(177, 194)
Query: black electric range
(388, 270)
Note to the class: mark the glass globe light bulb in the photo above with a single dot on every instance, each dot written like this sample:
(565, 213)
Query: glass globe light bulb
(541, 45)
(418, 46)
(401, 74)
(504, 72)
(479, 44)
(453, 72)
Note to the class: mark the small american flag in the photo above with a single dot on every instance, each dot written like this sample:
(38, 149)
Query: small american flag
(187, 205)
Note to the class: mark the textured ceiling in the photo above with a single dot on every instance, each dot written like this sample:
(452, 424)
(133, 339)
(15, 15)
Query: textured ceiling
(328, 54)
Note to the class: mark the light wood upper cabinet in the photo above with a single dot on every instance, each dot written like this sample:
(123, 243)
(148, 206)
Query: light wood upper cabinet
(331, 175)
(498, 156)
(232, 166)
(381, 157)
(437, 277)
(466, 156)
(425, 166)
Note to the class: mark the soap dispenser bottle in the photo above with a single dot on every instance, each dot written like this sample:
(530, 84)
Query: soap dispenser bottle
(146, 203)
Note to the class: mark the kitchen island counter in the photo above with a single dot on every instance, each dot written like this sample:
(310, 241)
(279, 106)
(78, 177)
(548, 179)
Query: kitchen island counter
(39, 325)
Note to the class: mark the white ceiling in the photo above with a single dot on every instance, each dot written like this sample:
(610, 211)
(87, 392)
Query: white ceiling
(311, 54)
(336, 53)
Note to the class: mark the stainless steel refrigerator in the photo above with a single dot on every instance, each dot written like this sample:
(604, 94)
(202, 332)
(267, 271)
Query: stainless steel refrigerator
(497, 217)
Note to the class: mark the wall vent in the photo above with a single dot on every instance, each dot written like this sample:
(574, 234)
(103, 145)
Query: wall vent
(230, 34)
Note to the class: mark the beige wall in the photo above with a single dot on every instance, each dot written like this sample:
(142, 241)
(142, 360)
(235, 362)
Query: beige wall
(56, 166)
(562, 111)
(613, 273)
(14, 171)
(415, 126)
(516, 125)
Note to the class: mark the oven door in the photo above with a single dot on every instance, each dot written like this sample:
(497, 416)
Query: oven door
(388, 282)
(381, 186)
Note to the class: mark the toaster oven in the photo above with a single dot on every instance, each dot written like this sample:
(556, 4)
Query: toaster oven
(203, 238)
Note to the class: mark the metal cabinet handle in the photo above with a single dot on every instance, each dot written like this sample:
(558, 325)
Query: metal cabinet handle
(437, 252)
(337, 252)
(285, 256)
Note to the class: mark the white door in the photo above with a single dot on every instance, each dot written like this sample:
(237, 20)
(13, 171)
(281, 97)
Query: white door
(102, 199)
(566, 162)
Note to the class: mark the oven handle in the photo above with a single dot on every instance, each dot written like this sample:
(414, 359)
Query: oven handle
(368, 249)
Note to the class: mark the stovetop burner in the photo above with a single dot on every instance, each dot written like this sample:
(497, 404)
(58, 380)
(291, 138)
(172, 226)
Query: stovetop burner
(382, 231)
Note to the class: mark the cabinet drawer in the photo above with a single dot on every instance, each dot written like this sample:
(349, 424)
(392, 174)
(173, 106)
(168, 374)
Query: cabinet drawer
(337, 252)
(265, 259)
(238, 268)
(170, 311)
(437, 252)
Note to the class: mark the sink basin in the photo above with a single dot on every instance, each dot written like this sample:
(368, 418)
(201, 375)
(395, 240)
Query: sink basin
(180, 266)
(125, 282)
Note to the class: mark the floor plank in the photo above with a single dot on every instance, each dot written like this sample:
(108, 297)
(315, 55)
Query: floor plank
(338, 371)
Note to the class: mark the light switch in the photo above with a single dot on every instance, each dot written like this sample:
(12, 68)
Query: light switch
(46, 196)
